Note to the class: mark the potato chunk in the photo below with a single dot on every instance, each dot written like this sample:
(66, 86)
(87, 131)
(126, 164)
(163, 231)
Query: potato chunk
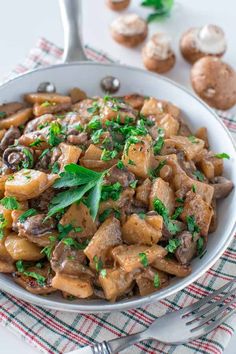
(159, 108)
(142, 231)
(79, 287)
(6, 213)
(107, 236)
(211, 166)
(161, 190)
(28, 184)
(169, 124)
(129, 258)
(195, 206)
(116, 283)
(21, 248)
(140, 154)
(143, 191)
(172, 267)
(92, 159)
(69, 154)
(18, 118)
(79, 216)
(191, 147)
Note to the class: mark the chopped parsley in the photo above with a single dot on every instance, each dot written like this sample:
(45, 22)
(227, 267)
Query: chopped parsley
(158, 145)
(160, 208)
(95, 123)
(98, 263)
(194, 188)
(10, 203)
(3, 115)
(20, 266)
(107, 212)
(47, 250)
(103, 273)
(55, 167)
(192, 225)
(37, 142)
(55, 134)
(156, 281)
(223, 155)
(93, 108)
(96, 136)
(193, 139)
(143, 259)
(199, 176)
(173, 244)
(111, 191)
(69, 241)
(120, 165)
(29, 162)
(200, 246)
(27, 214)
(44, 153)
(41, 280)
(108, 155)
(178, 211)
(159, 167)
(3, 224)
(133, 184)
(131, 162)
(48, 104)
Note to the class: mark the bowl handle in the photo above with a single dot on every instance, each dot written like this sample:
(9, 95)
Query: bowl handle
(71, 15)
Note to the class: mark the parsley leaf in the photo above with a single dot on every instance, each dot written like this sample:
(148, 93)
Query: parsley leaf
(198, 175)
(37, 142)
(41, 280)
(55, 134)
(103, 273)
(27, 214)
(55, 167)
(156, 280)
(160, 208)
(108, 155)
(223, 155)
(143, 259)
(173, 244)
(47, 250)
(120, 165)
(193, 139)
(29, 162)
(200, 246)
(3, 224)
(75, 244)
(158, 145)
(111, 191)
(98, 263)
(10, 203)
(192, 225)
(20, 266)
(3, 115)
(177, 212)
(94, 198)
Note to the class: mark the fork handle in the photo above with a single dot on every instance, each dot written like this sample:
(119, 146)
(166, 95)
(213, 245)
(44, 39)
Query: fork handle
(118, 344)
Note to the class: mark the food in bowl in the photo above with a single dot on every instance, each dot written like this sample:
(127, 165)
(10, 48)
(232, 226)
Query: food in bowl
(103, 197)
(118, 5)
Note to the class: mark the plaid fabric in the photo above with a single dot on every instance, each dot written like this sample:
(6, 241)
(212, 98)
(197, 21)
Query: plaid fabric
(55, 332)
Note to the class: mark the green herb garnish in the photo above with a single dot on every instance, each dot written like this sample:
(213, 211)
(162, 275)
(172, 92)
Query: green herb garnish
(47, 250)
(120, 165)
(158, 145)
(27, 214)
(20, 266)
(193, 139)
(161, 9)
(98, 263)
(198, 175)
(108, 155)
(3, 224)
(37, 142)
(177, 212)
(55, 167)
(143, 259)
(111, 191)
(192, 225)
(10, 203)
(156, 280)
(200, 246)
(173, 244)
(29, 162)
(223, 155)
(160, 208)
(3, 115)
(41, 280)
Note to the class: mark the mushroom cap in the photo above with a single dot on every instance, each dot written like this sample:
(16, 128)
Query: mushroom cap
(199, 42)
(215, 82)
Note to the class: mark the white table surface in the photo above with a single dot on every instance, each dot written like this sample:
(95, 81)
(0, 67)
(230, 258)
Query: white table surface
(23, 22)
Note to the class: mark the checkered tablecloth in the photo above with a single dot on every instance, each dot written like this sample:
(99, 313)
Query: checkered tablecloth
(55, 332)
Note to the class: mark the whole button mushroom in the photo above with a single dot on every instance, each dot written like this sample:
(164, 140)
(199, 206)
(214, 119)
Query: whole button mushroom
(157, 53)
(129, 30)
(215, 82)
(118, 5)
(197, 43)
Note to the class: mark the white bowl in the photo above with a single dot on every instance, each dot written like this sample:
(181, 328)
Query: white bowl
(87, 76)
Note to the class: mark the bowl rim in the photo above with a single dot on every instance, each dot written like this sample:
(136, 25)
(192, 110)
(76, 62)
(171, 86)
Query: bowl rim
(136, 301)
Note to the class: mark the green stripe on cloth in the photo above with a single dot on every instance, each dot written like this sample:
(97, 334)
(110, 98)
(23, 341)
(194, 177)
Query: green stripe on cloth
(55, 332)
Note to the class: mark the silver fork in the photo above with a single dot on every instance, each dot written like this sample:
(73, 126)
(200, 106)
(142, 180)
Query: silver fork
(178, 327)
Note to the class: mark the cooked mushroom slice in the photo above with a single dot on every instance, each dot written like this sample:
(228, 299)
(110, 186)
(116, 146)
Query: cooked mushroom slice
(150, 280)
(188, 247)
(42, 97)
(18, 157)
(222, 187)
(10, 108)
(134, 100)
(17, 119)
(69, 260)
(9, 137)
(124, 176)
(28, 184)
(37, 229)
(171, 266)
(36, 123)
(113, 107)
(77, 95)
(35, 280)
(41, 203)
(76, 138)
(48, 108)
(166, 235)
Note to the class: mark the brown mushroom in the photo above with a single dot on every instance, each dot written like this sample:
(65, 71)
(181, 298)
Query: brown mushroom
(222, 187)
(129, 30)
(215, 82)
(17, 157)
(157, 54)
(9, 138)
(117, 5)
(197, 43)
(188, 248)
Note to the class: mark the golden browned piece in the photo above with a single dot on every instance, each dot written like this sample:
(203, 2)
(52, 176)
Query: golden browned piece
(129, 30)
(204, 41)
(215, 82)
(117, 5)
(157, 54)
